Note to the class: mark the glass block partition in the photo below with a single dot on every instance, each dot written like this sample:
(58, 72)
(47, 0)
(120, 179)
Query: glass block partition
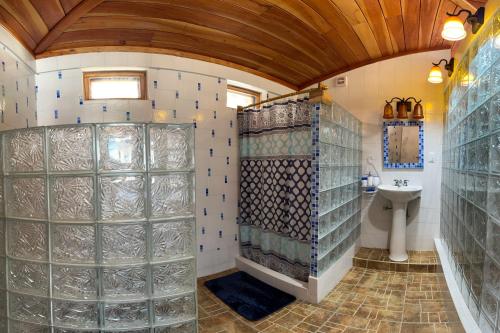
(470, 203)
(336, 184)
(98, 230)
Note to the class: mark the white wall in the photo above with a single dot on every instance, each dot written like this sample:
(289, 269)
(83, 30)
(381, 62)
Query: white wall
(364, 96)
(17, 84)
(174, 96)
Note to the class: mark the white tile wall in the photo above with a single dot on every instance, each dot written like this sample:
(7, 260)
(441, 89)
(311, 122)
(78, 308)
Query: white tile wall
(364, 96)
(17, 85)
(175, 98)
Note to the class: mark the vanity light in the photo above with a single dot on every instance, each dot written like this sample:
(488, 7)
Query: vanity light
(388, 111)
(435, 75)
(403, 106)
(402, 110)
(453, 28)
(418, 111)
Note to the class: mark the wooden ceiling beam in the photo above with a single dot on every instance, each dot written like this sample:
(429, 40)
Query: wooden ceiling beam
(192, 31)
(27, 16)
(78, 11)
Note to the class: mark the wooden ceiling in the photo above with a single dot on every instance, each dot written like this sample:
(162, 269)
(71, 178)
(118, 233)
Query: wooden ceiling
(293, 42)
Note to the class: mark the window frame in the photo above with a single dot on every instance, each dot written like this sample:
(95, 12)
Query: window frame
(87, 76)
(255, 94)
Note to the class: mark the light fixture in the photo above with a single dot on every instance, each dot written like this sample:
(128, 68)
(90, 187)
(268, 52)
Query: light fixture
(418, 111)
(388, 111)
(435, 75)
(403, 106)
(453, 28)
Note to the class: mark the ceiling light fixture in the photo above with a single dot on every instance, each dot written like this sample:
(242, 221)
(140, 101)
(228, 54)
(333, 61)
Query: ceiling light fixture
(435, 75)
(453, 28)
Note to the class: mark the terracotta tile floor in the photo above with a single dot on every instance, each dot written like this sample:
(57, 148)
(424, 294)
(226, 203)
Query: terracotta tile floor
(414, 257)
(418, 261)
(366, 300)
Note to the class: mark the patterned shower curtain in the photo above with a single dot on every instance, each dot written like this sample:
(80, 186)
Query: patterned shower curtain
(275, 158)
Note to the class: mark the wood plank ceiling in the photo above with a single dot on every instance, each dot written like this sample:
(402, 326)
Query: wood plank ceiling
(293, 42)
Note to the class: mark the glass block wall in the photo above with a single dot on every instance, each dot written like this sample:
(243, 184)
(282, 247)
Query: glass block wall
(98, 227)
(336, 184)
(470, 204)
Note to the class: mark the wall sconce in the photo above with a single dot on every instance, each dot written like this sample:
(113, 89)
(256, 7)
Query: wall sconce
(453, 28)
(403, 106)
(435, 75)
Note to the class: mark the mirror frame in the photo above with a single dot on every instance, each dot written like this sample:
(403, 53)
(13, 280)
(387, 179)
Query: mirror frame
(420, 163)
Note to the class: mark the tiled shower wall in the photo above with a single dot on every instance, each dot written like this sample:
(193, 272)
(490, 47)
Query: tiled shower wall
(470, 214)
(337, 156)
(17, 86)
(173, 97)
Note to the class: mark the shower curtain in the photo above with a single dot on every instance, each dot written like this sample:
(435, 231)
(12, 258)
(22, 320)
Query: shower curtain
(275, 186)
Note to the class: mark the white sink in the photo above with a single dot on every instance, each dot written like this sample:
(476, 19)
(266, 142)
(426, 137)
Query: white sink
(399, 196)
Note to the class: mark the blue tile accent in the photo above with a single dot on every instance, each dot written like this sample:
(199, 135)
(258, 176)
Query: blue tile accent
(127, 115)
(56, 114)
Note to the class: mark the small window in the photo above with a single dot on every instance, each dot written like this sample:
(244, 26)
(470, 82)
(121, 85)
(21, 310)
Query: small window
(241, 96)
(114, 85)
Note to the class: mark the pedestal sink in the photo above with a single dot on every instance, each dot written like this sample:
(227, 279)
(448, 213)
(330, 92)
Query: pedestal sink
(399, 196)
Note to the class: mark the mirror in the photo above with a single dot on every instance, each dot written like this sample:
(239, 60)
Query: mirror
(403, 144)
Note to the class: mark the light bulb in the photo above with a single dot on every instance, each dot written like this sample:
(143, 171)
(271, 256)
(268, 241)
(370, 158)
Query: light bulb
(435, 75)
(453, 29)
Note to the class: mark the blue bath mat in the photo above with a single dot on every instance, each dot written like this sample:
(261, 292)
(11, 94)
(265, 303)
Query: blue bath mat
(251, 298)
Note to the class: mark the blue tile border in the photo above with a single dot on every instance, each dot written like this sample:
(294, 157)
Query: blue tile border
(315, 188)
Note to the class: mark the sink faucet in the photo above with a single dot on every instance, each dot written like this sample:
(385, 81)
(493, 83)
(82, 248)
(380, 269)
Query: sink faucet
(400, 182)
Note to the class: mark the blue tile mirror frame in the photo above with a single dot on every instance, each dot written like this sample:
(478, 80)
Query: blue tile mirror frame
(403, 144)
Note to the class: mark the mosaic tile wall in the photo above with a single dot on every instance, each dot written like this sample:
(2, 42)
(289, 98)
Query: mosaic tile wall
(174, 97)
(17, 91)
(336, 221)
(98, 229)
(470, 214)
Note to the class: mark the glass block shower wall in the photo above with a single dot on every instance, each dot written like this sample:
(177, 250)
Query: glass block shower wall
(336, 220)
(98, 227)
(470, 203)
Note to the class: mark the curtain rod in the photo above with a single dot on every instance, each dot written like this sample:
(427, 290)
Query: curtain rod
(306, 91)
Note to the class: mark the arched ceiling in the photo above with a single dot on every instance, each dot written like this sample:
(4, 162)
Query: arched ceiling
(293, 42)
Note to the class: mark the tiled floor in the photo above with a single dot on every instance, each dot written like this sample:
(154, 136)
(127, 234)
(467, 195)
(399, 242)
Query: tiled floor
(418, 261)
(366, 300)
